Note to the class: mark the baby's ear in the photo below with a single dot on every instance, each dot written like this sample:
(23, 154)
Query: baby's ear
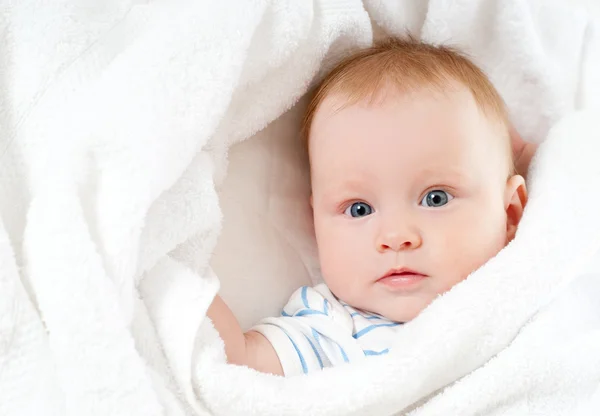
(515, 198)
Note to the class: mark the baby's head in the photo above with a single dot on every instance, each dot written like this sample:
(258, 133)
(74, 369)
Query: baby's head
(413, 186)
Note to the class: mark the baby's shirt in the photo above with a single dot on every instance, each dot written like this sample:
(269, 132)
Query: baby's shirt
(316, 330)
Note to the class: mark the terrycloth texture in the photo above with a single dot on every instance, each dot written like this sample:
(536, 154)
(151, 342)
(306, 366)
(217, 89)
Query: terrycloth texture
(265, 195)
(116, 118)
(519, 336)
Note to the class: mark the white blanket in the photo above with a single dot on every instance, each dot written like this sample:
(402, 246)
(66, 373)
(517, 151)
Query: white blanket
(115, 121)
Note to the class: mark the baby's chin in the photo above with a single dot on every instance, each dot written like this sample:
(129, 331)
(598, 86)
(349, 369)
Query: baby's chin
(403, 316)
(402, 310)
(396, 310)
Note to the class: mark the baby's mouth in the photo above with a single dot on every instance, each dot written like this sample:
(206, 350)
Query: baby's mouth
(401, 278)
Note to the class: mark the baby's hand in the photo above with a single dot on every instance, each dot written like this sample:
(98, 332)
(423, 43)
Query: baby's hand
(522, 152)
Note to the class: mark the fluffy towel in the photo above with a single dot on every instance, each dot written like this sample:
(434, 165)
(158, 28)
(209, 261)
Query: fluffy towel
(115, 122)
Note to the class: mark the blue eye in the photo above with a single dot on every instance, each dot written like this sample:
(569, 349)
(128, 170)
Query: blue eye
(436, 198)
(358, 210)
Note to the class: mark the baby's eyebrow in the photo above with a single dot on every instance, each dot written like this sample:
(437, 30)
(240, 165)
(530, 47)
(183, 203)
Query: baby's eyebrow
(350, 183)
(343, 191)
(444, 174)
(353, 183)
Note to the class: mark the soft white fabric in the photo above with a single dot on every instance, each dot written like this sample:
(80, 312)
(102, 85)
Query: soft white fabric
(316, 330)
(116, 117)
(267, 223)
(519, 336)
(466, 346)
(264, 197)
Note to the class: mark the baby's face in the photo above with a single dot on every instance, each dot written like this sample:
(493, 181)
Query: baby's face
(409, 197)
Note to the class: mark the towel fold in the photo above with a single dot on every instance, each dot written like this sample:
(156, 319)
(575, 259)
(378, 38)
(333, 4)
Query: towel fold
(115, 122)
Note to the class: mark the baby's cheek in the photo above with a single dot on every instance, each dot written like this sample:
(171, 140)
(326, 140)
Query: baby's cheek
(332, 261)
(341, 266)
(489, 246)
(458, 257)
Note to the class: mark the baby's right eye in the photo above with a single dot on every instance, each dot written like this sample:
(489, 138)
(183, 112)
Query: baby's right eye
(358, 210)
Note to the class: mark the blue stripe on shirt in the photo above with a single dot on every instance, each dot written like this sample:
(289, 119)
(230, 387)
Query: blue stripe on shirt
(315, 351)
(300, 356)
(304, 298)
(309, 312)
(371, 352)
(372, 327)
(317, 338)
(344, 356)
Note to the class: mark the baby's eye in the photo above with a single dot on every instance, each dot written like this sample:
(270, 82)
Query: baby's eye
(436, 198)
(359, 209)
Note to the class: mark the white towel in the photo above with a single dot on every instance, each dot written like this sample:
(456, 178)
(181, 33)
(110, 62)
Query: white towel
(115, 122)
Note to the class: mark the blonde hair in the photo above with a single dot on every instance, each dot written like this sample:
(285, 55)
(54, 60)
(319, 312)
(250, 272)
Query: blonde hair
(408, 65)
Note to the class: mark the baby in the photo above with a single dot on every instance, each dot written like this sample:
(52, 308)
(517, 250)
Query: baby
(413, 188)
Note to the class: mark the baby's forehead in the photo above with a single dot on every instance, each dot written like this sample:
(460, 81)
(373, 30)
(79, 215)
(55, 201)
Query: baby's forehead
(341, 109)
(340, 99)
(421, 125)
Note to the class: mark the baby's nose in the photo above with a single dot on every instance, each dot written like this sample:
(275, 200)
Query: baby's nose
(399, 240)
